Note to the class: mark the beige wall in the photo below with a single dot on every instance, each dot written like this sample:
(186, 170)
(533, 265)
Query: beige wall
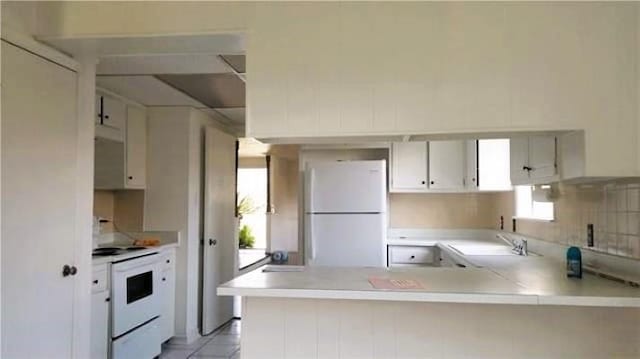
(124, 208)
(449, 210)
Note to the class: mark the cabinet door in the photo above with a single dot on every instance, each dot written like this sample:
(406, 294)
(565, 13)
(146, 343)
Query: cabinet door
(98, 109)
(110, 117)
(114, 113)
(136, 147)
(447, 165)
(168, 294)
(519, 160)
(409, 166)
(100, 325)
(542, 156)
(471, 175)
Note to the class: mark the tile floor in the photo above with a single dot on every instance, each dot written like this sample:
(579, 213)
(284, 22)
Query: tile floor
(223, 343)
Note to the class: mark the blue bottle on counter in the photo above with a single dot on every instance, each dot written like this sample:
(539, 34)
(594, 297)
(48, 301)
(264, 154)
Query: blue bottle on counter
(574, 262)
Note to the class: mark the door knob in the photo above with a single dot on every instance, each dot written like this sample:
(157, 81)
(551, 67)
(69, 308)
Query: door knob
(213, 242)
(66, 270)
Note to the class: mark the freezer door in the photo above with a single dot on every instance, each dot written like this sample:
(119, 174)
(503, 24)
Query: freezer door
(345, 240)
(346, 187)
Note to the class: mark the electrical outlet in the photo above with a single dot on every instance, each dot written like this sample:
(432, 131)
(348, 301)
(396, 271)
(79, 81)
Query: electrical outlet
(590, 235)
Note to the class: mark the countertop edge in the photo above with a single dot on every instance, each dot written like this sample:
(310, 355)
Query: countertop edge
(434, 297)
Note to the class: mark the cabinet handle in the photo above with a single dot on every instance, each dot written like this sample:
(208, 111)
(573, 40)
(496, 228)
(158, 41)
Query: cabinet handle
(168, 261)
(413, 257)
(74, 270)
(130, 177)
(526, 168)
(95, 281)
(432, 182)
(423, 182)
(107, 299)
(164, 279)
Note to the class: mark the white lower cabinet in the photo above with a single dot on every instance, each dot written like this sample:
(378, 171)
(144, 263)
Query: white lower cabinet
(402, 256)
(100, 298)
(167, 294)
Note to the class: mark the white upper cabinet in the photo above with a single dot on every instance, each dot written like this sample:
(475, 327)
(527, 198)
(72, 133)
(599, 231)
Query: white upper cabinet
(447, 165)
(118, 164)
(136, 147)
(408, 166)
(533, 159)
(111, 114)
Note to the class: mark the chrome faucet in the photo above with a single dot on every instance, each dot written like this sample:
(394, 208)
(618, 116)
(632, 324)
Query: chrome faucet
(518, 245)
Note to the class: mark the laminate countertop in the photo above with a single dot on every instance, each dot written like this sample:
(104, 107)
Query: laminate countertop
(495, 279)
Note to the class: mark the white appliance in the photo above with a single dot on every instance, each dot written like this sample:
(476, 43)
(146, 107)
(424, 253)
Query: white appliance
(136, 307)
(345, 213)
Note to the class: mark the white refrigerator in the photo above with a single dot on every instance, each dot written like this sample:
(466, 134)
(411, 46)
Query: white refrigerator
(345, 213)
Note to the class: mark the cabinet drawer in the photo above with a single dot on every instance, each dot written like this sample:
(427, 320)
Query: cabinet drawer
(415, 255)
(99, 280)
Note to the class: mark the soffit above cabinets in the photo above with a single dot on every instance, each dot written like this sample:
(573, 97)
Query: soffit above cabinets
(237, 62)
(151, 45)
(213, 90)
(146, 90)
(162, 64)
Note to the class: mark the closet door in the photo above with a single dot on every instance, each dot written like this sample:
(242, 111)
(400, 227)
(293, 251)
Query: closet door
(219, 243)
(39, 185)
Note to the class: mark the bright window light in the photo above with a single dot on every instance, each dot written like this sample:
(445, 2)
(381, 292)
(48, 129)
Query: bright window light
(526, 207)
(493, 161)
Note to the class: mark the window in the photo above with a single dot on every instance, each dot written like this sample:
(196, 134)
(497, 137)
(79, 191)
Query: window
(493, 162)
(526, 207)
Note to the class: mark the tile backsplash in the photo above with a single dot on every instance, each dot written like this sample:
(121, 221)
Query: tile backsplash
(612, 207)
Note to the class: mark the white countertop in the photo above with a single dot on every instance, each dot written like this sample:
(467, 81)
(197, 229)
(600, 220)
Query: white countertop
(499, 279)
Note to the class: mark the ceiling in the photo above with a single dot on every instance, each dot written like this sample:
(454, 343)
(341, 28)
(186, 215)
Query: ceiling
(214, 90)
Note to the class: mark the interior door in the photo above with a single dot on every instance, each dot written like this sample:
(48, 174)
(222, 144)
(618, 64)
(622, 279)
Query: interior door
(39, 157)
(219, 227)
(447, 164)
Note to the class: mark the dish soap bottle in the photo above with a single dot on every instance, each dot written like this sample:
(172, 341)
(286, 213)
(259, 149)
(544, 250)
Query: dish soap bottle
(574, 262)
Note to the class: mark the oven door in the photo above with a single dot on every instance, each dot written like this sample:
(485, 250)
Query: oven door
(135, 293)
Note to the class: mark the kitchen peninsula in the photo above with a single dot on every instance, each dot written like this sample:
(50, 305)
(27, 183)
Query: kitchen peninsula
(497, 307)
